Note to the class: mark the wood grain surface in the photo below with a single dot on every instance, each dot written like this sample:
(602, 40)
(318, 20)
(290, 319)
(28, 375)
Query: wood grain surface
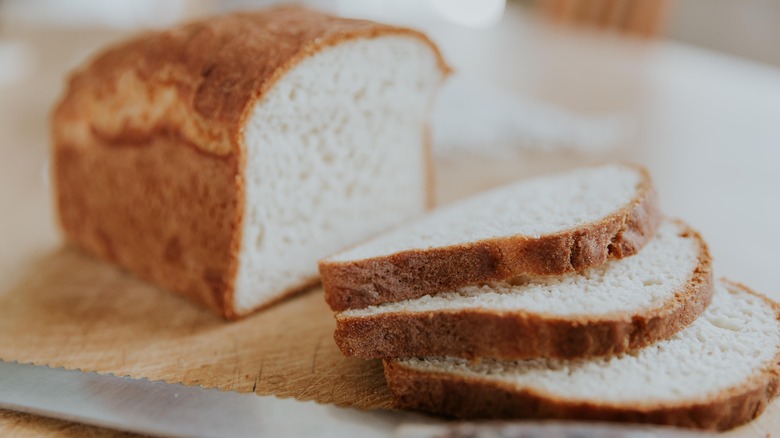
(18, 424)
(80, 313)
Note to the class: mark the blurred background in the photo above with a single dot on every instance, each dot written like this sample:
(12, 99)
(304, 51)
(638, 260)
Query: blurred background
(746, 28)
(501, 99)
(521, 64)
(688, 88)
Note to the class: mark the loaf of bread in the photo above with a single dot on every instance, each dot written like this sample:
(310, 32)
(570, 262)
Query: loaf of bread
(546, 226)
(222, 159)
(718, 373)
(620, 306)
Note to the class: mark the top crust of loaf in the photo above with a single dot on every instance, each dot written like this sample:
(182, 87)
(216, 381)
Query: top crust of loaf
(414, 273)
(201, 80)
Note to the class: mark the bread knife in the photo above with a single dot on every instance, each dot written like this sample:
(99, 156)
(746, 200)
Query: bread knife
(170, 409)
(165, 409)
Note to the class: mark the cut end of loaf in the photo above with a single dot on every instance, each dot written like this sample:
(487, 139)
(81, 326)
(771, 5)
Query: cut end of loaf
(718, 373)
(336, 151)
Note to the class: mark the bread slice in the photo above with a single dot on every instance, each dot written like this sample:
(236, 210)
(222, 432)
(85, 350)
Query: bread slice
(551, 225)
(221, 159)
(619, 306)
(718, 373)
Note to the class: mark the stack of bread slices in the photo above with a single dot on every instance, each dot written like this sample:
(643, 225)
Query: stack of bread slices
(568, 296)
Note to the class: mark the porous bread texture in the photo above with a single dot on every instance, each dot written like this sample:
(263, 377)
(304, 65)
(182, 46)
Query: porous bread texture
(631, 284)
(197, 157)
(531, 208)
(336, 152)
(619, 306)
(545, 226)
(718, 373)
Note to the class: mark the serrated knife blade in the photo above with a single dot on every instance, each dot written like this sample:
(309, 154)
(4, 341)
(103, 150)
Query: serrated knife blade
(159, 408)
(169, 409)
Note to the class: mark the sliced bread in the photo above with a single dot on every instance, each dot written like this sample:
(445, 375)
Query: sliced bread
(718, 373)
(222, 158)
(619, 306)
(551, 225)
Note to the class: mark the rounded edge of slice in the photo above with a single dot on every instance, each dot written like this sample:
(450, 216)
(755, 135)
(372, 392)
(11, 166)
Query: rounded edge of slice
(460, 397)
(410, 274)
(475, 333)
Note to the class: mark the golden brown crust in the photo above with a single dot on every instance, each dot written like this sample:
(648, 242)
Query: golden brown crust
(201, 80)
(475, 333)
(175, 229)
(148, 142)
(456, 396)
(415, 273)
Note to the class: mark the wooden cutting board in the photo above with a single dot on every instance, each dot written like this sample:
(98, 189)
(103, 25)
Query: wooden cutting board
(70, 310)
